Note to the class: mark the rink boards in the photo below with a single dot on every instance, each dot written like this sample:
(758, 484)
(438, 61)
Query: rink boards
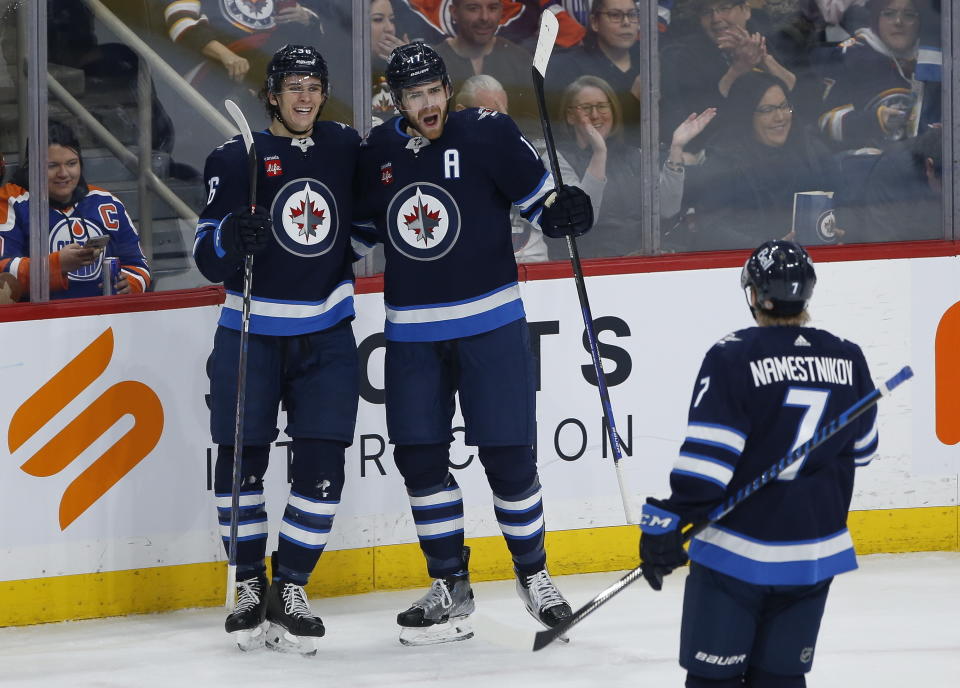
(107, 507)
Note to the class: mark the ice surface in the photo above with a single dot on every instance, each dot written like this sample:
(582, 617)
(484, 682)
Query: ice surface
(894, 623)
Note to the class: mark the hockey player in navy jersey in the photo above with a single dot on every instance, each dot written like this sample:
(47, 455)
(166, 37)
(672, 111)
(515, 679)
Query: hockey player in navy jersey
(759, 577)
(301, 346)
(436, 189)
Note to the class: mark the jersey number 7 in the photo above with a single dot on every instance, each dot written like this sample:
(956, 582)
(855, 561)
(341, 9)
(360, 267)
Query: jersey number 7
(814, 404)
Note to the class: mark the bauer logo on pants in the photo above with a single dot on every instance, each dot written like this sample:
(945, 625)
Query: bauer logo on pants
(121, 399)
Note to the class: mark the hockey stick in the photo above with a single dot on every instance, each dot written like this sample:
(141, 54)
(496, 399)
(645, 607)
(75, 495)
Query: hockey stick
(544, 638)
(545, 42)
(244, 128)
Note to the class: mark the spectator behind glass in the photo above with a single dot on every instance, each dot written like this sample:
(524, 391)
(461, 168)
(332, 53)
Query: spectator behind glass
(383, 39)
(483, 91)
(237, 39)
(743, 192)
(873, 97)
(476, 49)
(78, 213)
(610, 52)
(903, 193)
(592, 154)
(701, 67)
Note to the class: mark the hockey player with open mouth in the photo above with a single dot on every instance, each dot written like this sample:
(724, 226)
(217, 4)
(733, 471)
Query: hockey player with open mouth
(436, 187)
(275, 232)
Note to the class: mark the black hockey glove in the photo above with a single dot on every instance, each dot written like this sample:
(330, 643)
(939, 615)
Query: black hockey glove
(243, 232)
(567, 212)
(661, 542)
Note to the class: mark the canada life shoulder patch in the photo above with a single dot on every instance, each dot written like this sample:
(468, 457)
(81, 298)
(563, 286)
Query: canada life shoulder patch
(305, 217)
(423, 221)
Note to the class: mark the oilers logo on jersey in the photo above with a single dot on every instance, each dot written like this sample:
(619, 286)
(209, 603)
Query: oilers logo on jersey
(304, 214)
(77, 230)
(423, 221)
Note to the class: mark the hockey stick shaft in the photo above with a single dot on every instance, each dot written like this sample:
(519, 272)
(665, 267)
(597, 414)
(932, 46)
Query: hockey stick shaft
(545, 42)
(544, 638)
(247, 135)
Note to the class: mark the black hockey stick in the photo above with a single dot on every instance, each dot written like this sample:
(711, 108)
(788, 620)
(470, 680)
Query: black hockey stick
(544, 638)
(545, 43)
(244, 128)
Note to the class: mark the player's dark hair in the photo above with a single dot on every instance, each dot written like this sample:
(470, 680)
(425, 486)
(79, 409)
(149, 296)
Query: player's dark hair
(293, 59)
(414, 64)
(58, 134)
(781, 273)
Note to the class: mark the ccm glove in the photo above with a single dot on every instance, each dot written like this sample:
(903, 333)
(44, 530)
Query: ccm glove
(243, 232)
(567, 212)
(661, 542)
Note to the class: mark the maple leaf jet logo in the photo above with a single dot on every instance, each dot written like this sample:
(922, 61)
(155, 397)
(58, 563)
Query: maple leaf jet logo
(308, 217)
(422, 221)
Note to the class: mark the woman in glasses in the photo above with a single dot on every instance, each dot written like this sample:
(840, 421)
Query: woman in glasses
(743, 193)
(609, 51)
(593, 155)
(875, 93)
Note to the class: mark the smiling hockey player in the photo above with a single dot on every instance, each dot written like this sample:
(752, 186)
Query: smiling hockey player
(301, 348)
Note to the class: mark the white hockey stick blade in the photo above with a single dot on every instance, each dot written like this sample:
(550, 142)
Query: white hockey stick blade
(231, 599)
(234, 110)
(549, 27)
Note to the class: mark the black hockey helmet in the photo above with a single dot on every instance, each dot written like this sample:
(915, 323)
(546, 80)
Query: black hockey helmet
(296, 59)
(782, 274)
(414, 64)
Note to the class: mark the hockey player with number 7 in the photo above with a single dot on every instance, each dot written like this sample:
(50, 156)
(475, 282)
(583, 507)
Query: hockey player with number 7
(436, 187)
(301, 349)
(759, 576)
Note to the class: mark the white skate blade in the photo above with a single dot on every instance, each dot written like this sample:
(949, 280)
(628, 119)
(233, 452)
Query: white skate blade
(280, 639)
(455, 629)
(251, 639)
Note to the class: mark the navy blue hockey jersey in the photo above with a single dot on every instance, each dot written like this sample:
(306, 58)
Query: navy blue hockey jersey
(760, 393)
(442, 210)
(303, 280)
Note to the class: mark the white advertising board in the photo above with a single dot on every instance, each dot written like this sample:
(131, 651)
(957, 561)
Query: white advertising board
(653, 330)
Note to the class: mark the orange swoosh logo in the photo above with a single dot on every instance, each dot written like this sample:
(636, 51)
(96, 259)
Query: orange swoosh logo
(121, 399)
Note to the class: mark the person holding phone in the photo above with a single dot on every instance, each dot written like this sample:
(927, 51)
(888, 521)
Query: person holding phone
(87, 223)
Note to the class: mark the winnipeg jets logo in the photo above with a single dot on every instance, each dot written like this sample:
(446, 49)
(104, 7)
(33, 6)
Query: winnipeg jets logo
(77, 230)
(249, 14)
(423, 221)
(487, 112)
(304, 214)
(427, 226)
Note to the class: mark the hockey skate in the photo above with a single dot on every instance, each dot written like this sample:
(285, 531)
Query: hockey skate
(440, 616)
(543, 600)
(246, 623)
(293, 626)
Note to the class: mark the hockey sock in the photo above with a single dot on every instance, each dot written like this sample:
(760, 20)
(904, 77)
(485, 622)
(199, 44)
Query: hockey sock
(436, 503)
(757, 678)
(317, 481)
(438, 516)
(517, 503)
(700, 682)
(252, 517)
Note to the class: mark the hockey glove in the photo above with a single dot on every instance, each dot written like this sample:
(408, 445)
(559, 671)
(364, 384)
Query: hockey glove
(243, 232)
(661, 542)
(567, 212)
